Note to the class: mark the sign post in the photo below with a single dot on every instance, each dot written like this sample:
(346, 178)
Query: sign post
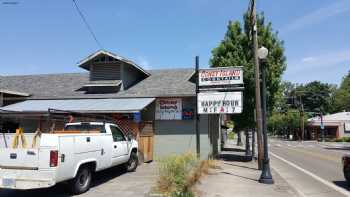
(198, 144)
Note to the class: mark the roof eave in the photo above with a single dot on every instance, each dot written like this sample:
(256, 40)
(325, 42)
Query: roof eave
(5, 91)
(83, 62)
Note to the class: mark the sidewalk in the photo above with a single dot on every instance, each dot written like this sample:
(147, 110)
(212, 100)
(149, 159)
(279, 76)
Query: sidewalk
(235, 177)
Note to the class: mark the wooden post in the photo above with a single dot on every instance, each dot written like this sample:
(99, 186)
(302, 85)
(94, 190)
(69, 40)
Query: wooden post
(1, 99)
(257, 86)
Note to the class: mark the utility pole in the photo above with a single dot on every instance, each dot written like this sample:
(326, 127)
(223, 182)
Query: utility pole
(257, 85)
(198, 146)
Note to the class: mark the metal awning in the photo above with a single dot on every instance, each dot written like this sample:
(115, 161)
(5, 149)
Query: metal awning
(122, 105)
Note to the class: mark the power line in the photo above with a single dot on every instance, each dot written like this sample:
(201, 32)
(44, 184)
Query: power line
(87, 24)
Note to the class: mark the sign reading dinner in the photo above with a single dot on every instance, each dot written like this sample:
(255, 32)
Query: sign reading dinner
(221, 76)
(220, 103)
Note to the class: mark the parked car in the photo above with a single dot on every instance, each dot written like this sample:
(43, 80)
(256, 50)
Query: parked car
(346, 167)
(71, 155)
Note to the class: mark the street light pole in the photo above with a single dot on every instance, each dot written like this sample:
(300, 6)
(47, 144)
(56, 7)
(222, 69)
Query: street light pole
(322, 127)
(198, 143)
(266, 176)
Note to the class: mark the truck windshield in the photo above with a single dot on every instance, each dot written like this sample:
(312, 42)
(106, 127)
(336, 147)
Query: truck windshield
(85, 127)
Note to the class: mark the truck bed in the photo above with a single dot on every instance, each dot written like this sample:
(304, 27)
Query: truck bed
(6, 139)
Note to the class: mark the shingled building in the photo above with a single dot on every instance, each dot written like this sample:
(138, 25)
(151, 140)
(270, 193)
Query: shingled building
(157, 105)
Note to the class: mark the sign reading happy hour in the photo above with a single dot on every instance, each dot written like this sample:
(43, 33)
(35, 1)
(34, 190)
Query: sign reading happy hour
(168, 109)
(220, 76)
(220, 103)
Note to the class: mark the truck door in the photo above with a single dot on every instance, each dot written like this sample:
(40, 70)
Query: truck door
(66, 158)
(120, 146)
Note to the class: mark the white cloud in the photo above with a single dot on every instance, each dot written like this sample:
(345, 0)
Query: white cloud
(308, 59)
(318, 15)
(319, 61)
(328, 67)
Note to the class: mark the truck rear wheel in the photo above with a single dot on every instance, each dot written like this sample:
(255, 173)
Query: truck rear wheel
(346, 171)
(81, 182)
(131, 165)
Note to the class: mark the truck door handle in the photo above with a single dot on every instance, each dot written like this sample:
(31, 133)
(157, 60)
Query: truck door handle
(115, 146)
(63, 156)
(88, 139)
(13, 156)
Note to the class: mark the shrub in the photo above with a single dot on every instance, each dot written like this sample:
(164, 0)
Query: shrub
(342, 139)
(231, 135)
(339, 140)
(178, 173)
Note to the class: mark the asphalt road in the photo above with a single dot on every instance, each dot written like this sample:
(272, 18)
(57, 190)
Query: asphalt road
(313, 168)
(111, 182)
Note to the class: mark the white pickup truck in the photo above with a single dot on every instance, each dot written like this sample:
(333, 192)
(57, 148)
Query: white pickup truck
(71, 155)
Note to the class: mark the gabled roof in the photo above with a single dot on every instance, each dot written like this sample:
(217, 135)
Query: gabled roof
(120, 58)
(46, 86)
(161, 83)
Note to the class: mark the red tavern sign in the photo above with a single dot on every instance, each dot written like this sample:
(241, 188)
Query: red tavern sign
(220, 76)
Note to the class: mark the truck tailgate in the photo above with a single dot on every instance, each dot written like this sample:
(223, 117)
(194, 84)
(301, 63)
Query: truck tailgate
(19, 158)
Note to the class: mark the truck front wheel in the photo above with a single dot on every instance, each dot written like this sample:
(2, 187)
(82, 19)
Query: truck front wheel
(81, 182)
(131, 165)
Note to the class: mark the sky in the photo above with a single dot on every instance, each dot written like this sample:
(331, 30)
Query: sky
(46, 36)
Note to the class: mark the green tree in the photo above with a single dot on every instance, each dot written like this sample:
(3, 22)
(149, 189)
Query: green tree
(315, 96)
(283, 96)
(236, 50)
(342, 95)
(286, 123)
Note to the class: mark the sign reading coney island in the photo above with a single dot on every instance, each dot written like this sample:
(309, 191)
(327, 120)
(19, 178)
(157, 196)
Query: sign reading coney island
(220, 76)
(220, 102)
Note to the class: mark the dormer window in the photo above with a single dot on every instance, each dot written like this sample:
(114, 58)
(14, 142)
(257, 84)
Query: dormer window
(110, 73)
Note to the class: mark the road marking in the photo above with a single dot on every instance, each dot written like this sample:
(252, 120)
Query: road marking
(314, 154)
(294, 187)
(331, 185)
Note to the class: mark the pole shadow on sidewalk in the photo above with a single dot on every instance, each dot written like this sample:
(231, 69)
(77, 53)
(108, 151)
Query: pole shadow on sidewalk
(231, 156)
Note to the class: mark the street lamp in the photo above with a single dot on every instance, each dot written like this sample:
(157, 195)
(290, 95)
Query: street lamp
(265, 176)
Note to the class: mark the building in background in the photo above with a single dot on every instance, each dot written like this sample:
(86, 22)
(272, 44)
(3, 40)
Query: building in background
(158, 106)
(335, 125)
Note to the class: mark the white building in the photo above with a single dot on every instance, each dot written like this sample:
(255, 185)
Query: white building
(335, 125)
